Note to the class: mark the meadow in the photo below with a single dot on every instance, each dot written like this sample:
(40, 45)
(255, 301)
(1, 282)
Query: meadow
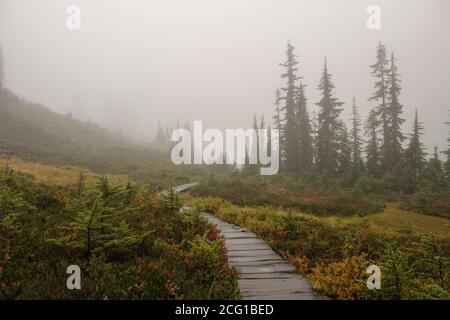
(334, 252)
(129, 242)
(141, 247)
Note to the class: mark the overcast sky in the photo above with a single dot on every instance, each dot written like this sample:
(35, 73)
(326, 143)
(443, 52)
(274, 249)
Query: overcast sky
(135, 62)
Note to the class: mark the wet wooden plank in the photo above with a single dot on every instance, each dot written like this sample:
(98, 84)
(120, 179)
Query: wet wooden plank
(273, 275)
(267, 268)
(255, 253)
(239, 235)
(251, 248)
(293, 296)
(263, 274)
(244, 241)
(243, 258)
(260, 263)
(273, 285)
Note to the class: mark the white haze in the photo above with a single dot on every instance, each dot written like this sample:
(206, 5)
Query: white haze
(137, 62)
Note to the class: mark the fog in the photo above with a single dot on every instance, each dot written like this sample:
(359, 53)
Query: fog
(137, 62)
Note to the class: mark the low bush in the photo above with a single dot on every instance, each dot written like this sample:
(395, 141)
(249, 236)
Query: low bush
(437, 204)
(255, 191)
(126, 241)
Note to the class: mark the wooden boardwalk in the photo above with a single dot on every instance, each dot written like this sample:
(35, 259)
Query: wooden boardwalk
(263, 274)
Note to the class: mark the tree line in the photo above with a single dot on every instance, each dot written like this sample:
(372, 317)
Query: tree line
(324, 144)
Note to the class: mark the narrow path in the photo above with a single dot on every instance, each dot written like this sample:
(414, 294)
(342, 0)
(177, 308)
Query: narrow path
(263, 274)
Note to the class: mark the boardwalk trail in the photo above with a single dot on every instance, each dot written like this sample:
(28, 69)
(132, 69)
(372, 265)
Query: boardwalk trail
(263, 274)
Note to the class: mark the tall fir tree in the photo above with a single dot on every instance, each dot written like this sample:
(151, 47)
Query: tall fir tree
(380, 72)
(356, 142)
(290, 138)
(304, 131)
(255, 123)
(277, 122)
(394, 110)
(277, 116)
(344, 151)
(373, 158)
(432, 178)
(415, 154)
(315, 130)
(328, 118)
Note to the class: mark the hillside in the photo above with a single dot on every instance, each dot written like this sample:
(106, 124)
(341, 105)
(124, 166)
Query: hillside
(33, 132)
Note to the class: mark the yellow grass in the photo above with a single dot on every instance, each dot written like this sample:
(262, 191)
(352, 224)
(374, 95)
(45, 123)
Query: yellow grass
(393, 220)
(61, 176)
(401, 220)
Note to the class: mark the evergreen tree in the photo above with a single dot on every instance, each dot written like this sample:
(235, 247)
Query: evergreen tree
(290, 137)
(327, 140)
(112, 196)
(262, 123)
(90, 232)
(130, 191)
(315, 130)
(415, 155)
(356, 143)
(380, 73)
(344, 150)
(394, 136)
(255, 123)
(373, 157)
(432, 179)
(80, 183)
(15, 210)
(277, 117)
(304, 131)
(269, 141)
(105, 189)
(172, 202)
(277, 121)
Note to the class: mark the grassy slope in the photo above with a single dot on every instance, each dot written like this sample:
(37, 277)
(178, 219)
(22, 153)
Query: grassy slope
(391, 220)
(401, 220)
(58, 175)
(33, 132)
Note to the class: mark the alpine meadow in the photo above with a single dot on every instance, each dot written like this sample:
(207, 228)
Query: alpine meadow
(224, 150)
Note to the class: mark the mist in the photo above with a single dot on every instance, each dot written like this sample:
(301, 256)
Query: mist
(135, 63)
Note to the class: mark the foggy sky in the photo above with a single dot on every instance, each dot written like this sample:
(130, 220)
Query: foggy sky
(136, 62)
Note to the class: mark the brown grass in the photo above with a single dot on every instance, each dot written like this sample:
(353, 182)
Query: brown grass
(57, 175)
